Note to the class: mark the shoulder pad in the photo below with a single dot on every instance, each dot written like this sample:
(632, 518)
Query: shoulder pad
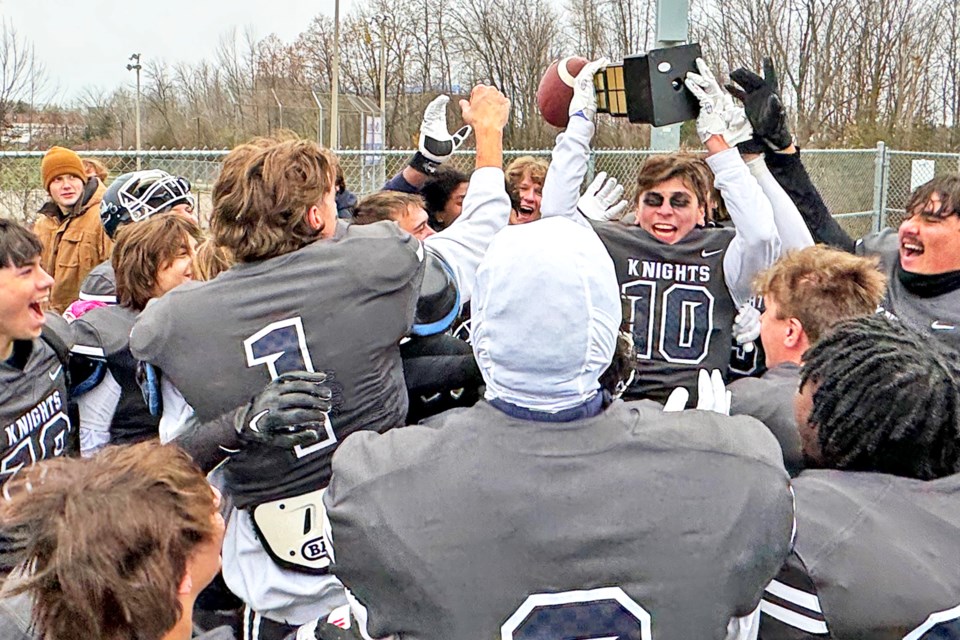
(439, 300)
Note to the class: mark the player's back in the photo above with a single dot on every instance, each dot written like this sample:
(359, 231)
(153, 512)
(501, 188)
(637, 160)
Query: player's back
(340, 306)
(876, 557)
(480, 525)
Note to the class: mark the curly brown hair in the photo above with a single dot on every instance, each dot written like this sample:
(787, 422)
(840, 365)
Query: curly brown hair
(108, 539)
(263, 193)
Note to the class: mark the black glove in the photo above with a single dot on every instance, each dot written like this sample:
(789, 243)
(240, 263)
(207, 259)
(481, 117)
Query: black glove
(761, 101)
(291, 410)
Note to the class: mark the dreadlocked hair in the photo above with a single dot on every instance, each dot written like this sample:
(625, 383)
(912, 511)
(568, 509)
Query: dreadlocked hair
(888, 400)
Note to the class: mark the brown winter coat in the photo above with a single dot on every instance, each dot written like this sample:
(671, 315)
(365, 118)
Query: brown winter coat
(73, 244)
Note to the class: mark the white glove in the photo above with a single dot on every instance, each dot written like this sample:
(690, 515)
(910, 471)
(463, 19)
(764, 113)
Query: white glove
(584, 99)
(436, 143)
(719, 114)
(713, 394)
(677, 400)
(601, 201)
(746, 326)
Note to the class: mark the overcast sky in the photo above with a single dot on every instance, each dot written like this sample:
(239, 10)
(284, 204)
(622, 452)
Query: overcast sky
(86, 43)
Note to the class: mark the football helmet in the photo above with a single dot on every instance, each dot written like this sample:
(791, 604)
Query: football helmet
(138, 195)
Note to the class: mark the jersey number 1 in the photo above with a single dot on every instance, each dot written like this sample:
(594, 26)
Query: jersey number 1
(282, 347)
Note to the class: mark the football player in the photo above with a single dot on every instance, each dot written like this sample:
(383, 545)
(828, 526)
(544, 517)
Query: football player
(119, 546)
(133, 197)
(921, 259)
(806, 292)
(149, 259)
(35, 422)
(308, 293)
(547, 510)
(684, 281)
(878, 508)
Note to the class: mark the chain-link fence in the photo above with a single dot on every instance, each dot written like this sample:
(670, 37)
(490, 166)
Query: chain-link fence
(864, 188)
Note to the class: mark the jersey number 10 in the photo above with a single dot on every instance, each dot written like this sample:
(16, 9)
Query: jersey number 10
(685, 323)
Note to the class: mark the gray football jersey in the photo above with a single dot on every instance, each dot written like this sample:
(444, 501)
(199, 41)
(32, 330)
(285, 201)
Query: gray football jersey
(33, 408)
(104, 335)
(340, 306)
(34, 418)
(877, 556)
(100, 284)
(480, 525)
(938, 316)
(680, 310)
(769, 399)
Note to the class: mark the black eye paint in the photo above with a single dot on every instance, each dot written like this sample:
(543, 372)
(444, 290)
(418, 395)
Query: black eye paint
(653, 199)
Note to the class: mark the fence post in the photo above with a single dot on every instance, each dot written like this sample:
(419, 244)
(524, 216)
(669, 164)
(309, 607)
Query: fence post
(880, 178)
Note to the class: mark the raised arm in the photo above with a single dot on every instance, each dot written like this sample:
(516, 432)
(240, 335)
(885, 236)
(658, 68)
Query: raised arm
(486, 206)
(720, 125)
(561, 188)
(435, 146)
(767, 115)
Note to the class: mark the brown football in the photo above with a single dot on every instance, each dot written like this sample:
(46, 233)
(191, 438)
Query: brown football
(556, 89)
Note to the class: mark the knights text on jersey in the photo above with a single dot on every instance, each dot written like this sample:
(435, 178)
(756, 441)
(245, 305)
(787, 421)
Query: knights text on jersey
(339, 306)
(33, 408)
(938, 316)
(875, 557)
(584, 529)
(680, 310)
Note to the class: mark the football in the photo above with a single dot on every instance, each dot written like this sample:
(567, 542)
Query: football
(556, 89)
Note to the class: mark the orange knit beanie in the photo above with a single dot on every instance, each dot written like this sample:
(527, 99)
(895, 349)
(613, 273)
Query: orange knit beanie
(59, 161)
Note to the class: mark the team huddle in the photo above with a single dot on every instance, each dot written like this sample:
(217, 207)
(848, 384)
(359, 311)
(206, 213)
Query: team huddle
(482, 405)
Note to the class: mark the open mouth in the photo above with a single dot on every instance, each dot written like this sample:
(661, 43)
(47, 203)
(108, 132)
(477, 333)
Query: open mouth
(664, 229)
(36, 307)
(910, 248)
(525, 214)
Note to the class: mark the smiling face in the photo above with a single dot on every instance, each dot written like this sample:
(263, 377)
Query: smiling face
(23, 291)
(530, 193)
(65, 190)
(669, 211)
(177, 271)
(930, 239)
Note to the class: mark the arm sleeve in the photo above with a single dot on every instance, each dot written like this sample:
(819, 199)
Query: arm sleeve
(756, 245)
(568, 166)
(97, 407)
(791, 228)
(792, 176)
(790, 608)
(486, 210)
(399, 183)
(209, 443)
(176, 411)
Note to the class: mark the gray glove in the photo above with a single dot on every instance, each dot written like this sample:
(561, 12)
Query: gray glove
(291, 410)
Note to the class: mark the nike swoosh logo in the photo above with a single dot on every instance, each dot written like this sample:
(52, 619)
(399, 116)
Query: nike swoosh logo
(53, 374)
(707, 254)
(942, 327)
(256, 419)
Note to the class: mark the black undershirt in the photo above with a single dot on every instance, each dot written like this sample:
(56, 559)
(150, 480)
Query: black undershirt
(21, 354)
(928, 286)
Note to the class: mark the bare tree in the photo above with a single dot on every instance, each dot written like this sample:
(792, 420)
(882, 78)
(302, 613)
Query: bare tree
(20, 75)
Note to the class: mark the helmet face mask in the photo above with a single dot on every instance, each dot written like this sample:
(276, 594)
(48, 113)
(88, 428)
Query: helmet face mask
(138, 195)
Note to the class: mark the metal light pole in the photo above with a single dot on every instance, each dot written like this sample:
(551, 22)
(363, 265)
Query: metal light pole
(335, 80)
(136, 67)
(671, 31)
(383, 80)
